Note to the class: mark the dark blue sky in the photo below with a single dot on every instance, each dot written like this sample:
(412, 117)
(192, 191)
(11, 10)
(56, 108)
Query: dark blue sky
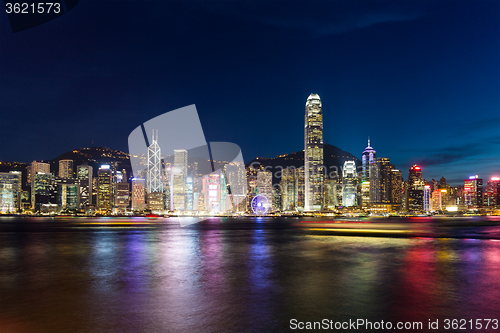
(422, 79)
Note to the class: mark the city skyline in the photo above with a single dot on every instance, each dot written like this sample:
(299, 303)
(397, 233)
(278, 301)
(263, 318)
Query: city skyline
(420, 79)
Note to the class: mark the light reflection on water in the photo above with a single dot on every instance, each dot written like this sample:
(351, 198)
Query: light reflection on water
(225, 275)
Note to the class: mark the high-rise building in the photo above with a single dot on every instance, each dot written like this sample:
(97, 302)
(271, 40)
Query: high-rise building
(491, 195)
(235, 173)
(67, 193)
(386, 185)
(427, 198)
(212, 193)
(10, 191)
(84, 174)
(288, 189)
(189, 193)
(415, 190)
(349, 184)
(396, 187)
(66, 169)
(122, 197)
(368, 157)
(41, 190)
(138, 194)
(154, 169)
(265, 186)
(179, 173)
(473, 192)
(36, 167)
(313, 154)
(104, 189)
(380, 181)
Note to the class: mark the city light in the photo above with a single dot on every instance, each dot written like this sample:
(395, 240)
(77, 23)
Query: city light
(495, 178)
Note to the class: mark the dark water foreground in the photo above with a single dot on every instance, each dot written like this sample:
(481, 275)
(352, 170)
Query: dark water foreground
(245, 275)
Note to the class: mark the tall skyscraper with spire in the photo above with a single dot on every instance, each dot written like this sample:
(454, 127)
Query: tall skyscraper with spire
(154, 175)
(368, 156)
(313, 154)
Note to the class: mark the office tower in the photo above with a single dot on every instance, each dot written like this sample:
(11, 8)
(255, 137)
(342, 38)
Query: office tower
(122, 198)
(154, 173)
(439, 200)
(235, 174)
(396, 187)
(84, 174)
(138, 194)
(189, 193)
(211, 193)
(67, 193)
(313, 154)
(288, 189)
(36, 167)
(386, 186)
(276, 204)
(491, 193)
(333, 193)
(349, 184)
(427, 198)
(380, 181)
(179, 179)
(10, 191)
(300, 189)
(104, 189)
(41, 190)
(368, 157)
(473, 192)
(66, 169)
(415, 190)
(265, 186)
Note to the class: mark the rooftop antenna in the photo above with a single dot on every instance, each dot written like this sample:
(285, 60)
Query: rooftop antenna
(368, 141)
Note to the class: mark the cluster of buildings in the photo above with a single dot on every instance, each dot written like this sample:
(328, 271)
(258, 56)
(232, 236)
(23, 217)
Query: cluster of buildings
(176, 185)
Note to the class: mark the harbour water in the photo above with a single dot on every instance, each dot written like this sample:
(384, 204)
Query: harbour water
(244, 274)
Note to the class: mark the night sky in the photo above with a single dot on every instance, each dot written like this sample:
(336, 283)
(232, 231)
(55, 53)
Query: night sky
(422, 79)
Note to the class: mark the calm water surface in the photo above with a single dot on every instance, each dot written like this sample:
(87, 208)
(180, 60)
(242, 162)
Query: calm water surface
(241, 275)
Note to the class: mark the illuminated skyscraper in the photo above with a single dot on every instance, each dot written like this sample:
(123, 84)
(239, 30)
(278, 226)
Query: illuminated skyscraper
(179, 179)
(41, 190)
(10, 191)
(84, 174)
(473, 192)
(349, 184)
(104, 188)
(66, 169)
(368, 157)
(138, 194)
(396, 187)
(491, 195)
(415, 190)
(211, 192)
(313, 154)
(36, 167)
(189, 193)
(427, 198)
(122, 197)
(235, 173)
(288, 189)
(154, 173)
(265, 186)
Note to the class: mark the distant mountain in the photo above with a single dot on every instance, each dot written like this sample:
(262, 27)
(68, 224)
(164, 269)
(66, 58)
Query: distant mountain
(95, 157)
(333, 156)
